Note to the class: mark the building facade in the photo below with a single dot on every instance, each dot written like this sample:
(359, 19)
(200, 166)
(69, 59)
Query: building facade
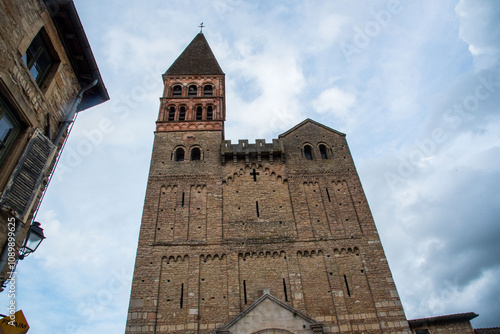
(47, 73)
(264, 237)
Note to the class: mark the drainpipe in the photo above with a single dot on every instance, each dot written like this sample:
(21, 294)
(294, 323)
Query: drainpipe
(72, 111)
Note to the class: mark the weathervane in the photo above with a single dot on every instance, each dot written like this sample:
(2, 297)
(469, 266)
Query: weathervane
(201, 27)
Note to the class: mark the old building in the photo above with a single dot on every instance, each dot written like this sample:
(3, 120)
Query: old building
(264, 237)
(47, 73)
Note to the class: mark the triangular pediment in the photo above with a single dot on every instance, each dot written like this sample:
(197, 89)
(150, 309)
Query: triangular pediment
(268, 314)
(309, 121)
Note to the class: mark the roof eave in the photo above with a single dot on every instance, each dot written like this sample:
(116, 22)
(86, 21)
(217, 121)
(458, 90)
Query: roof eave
(69, 28)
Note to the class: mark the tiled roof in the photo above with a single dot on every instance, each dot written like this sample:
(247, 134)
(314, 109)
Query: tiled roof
(443, 318)
(196, 59)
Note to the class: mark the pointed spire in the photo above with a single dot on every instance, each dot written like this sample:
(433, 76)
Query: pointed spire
(196, 59)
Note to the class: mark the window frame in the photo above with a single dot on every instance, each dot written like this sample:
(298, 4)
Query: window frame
(323, 152)
(206, 88)
(6, 144)
(190, 92)
(182, 113)
(34, 58)
(199, 154)
(174, 90)
(176, 154)
(210, 113)
(308, 155)
(199, 113)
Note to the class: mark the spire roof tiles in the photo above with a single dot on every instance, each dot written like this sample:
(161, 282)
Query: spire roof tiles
(196, 59)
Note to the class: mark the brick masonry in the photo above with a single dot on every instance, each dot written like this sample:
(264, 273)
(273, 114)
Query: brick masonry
(245, 217)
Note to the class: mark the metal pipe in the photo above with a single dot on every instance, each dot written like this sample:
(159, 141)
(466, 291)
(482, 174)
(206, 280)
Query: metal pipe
(72, 111)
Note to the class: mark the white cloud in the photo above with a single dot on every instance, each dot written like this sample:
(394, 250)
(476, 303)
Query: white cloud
(335, 101)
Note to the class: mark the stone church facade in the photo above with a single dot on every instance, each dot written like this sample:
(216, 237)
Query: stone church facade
(264, 237)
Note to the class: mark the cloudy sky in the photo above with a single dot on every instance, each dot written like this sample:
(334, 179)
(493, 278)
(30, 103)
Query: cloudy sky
(414, 85)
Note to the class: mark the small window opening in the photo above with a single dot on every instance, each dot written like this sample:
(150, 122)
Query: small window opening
(177, 90)
(347, 286)
(328, 194)
(192, 90)
(245, 291)
(207, 90)
(199, 113)
(195, 154)
(210, 113)
(257, 208)
(308, 152)
(182, 201)
(39, 57)
(179, 154)
(284, 290)
(182, 114)
(171, 114)
(182, 295)
(322, 150)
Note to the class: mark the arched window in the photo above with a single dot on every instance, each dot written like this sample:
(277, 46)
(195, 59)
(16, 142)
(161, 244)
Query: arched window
(182, 114)
(171, 114)
(177, 90)
(192, 90)
(322, 150)
(210, 113)
(199, 113)
(195, 154)
(308, 152)
(207, 90)
(179, 154)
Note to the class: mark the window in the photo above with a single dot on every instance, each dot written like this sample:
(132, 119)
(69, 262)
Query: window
(207, 90)
(9, 128)
(177, 90)
(308, 152)
(192, 90)
(179, 154)
(171, 114)
(422, 331)
(210, 113)
(199, 113)
(322, 150)
(182, 114)
(40, 57)
(195, 154)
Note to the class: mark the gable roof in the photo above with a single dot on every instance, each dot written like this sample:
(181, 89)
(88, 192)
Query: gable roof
(197, 58)
(262, 298)
(308, 120)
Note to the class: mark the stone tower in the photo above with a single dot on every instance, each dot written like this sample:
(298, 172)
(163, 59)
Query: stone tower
(253, 238)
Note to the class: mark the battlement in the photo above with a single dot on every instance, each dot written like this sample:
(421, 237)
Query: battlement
(248, 152)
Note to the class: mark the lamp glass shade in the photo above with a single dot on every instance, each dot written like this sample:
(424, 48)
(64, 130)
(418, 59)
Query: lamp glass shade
(33, 239)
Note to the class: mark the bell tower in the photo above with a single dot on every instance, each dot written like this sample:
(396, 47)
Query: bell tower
(193, 97)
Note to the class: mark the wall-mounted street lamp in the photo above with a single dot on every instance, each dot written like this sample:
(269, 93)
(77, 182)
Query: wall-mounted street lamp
(33, 239)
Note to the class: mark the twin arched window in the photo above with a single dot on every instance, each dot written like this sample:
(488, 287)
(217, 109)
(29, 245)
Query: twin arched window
(323, 151)
(179, 154)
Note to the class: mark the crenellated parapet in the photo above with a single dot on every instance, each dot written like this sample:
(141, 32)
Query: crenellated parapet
(250, 152)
